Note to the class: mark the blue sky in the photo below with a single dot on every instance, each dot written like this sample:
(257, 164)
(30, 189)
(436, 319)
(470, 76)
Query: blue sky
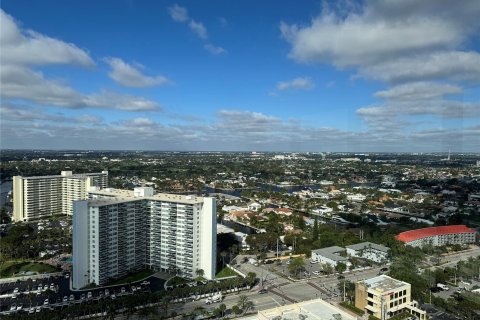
(247, 75)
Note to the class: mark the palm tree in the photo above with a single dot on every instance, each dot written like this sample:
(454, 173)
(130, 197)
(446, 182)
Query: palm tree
(222, 308)
(200, 273)
(223, 254)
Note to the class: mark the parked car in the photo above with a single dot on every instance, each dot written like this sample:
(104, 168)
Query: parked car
(71, 298)
(65, 299)
(13, 307)
(45, 303)
(38, 309)
(122, 290)
(89, 295)
(262, 291)
(316, 273)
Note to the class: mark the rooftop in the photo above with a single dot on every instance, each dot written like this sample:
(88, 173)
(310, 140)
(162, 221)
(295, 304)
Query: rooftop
(73, 176)
(128, 195)
(384, 283)
(316, 309)
(331, 253)
(412, 235)
(366, 245)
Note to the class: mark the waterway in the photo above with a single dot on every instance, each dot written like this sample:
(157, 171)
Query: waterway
(5, 188)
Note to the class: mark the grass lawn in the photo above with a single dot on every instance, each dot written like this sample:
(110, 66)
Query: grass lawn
(133, 277)
(226, 272)
(10, 268)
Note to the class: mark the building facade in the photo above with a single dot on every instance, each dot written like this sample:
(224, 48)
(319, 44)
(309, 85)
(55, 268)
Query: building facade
(117, 232)
(43, 196)
(385, 297)
(438, 236)
(369, 251)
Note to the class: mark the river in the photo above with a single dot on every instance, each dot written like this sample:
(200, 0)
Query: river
(5, 188)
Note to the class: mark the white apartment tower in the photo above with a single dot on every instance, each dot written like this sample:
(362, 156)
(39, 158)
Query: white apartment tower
(120, 231)
(43, 196)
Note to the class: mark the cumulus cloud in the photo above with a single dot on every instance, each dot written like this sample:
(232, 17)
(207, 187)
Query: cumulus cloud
(304, 83)
(25, 84)
(178, 13)
(23, 50)
(213, 49)
(379, 32)
(31, 48)
(130, 76)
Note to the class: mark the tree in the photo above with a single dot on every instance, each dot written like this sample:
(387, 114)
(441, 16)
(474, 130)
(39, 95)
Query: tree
(222, 308)
(223, 254)
(200, 273)
(296, 265)
(243, 302)
(316, 232)
(341, 267)
(236, 310)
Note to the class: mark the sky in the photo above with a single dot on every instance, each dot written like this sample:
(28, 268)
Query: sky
(348, 76)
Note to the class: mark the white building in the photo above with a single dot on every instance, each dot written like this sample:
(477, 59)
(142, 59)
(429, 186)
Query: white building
(121, 231)
(356, 197)
(438, 236)
(331, 256)
(385, 297)
(369, 251)
(44, 196)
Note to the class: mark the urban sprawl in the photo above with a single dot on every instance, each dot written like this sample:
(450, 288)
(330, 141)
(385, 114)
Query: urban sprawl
(252, 235)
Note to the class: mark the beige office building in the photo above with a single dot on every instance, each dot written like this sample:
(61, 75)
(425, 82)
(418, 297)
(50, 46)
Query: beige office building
(385, 297)
(42, 196)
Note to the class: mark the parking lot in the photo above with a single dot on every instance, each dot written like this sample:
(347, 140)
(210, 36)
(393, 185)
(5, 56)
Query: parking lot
(34, 294)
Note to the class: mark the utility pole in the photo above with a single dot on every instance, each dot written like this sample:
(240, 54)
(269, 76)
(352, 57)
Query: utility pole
(277, 245)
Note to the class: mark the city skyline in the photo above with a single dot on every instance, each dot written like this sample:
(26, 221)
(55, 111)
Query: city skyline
(368, 76)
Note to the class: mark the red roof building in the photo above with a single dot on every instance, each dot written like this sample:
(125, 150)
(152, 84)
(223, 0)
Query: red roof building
(438, 236)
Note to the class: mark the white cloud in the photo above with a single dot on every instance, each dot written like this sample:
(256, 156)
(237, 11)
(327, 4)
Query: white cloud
(26, 84)
(379, 31)
(178, 13)
(198, 28)
(230, 130)
(451, 65)
(22, 50)
(130, 76)
(125, 102)
(213, 49)
(304, 83)
(32, 48)
(419, 91)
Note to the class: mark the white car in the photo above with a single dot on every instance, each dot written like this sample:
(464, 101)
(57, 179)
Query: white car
(19, 307)
(71, 298)
(316, 273)
(15, 290)
(13, 307)
(89, 295)
(45, 303)
(65, 298)
(38, 309)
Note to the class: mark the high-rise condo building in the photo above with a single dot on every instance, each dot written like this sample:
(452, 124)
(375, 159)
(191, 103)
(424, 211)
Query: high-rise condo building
(117, 232)
(44, 196)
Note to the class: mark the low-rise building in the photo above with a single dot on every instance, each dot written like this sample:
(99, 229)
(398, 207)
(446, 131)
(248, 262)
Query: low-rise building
(331, 256)
(385, 297)
(438, 236)
(316, 309)
(370, 251)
